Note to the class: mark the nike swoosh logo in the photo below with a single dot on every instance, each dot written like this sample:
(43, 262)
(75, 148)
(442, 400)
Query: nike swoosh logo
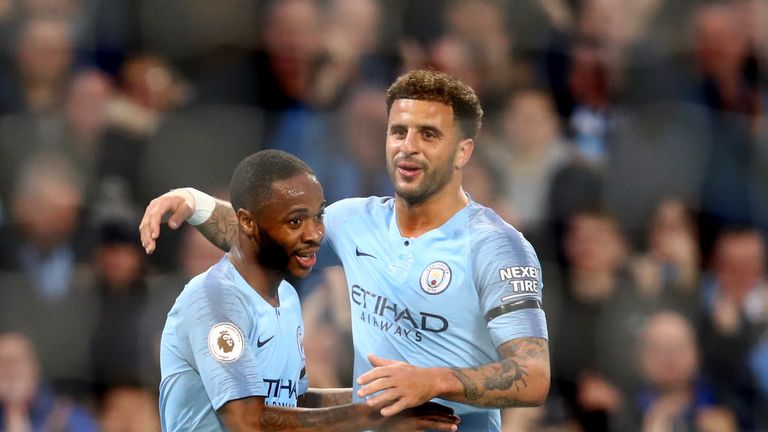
(260, 343)
(358, 253)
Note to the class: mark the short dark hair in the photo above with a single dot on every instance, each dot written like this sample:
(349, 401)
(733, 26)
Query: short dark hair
(252, 180)
(433, 86)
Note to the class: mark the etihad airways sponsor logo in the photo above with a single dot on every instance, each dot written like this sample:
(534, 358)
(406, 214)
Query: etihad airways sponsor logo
(387, 315)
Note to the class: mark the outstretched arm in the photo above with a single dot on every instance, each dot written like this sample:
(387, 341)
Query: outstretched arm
(251, 414)
(178, 205)
(520, 378)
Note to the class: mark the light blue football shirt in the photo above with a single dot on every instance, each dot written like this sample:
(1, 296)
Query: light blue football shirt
(447, 298)
(222, 341)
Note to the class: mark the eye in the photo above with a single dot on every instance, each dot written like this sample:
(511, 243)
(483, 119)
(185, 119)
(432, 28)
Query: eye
(430, 134)
(295, 222)
(397, 131)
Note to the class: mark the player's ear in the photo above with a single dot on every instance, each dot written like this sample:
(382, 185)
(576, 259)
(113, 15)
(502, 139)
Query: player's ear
(464, 152)
(246, 221)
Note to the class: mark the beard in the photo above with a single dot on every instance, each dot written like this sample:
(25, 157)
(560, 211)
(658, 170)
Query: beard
(434, 178)
(271, 254)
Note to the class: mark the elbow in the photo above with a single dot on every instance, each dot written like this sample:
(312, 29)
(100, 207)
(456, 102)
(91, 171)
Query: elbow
(538, 387)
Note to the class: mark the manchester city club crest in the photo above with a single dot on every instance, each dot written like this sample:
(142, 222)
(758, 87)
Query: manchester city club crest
(436, 278)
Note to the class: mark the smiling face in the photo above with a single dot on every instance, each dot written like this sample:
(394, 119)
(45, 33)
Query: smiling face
(290, 225)
(423, 149)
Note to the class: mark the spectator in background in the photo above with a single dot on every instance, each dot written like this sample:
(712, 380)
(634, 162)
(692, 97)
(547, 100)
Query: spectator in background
(484, 182)
(41, 240)
(27, 403)
(594, 328)
(735, 295)
(531, 151)
(727, 85)
(43, 59)
(74, 131)
(675, 395)
(668, 271)
(481, 24)
(350, 163)
(351, 30)
(149, 91)
(43, 290)
(121, 352)
(129, 409)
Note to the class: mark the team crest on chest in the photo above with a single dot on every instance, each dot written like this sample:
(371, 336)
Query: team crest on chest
(225, 342)
(436, 278)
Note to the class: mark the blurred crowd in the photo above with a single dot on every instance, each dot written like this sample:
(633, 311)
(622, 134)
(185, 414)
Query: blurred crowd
(627, 139)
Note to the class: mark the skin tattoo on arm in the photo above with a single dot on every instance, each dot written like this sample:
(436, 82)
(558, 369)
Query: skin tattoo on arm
(498, 384)
(221, 228)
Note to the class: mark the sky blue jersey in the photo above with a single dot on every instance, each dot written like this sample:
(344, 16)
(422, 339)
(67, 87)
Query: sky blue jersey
(222, 341)
(447, 298)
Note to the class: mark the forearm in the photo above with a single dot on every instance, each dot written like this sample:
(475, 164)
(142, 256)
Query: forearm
(221, 228)
(344, 418)
(325, 397)
(521, 378)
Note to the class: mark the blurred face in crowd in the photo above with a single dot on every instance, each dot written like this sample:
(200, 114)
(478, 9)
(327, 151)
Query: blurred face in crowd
(120, 264)
(292, 36)
(355, 23)
(127, 409)
(18, 370)
(530, 122)
(671, 228)
(87, 101)
(593, 244)
(453, 56)
(668, 353)
(472, 20)
(423, 149)
(363, 123)
(47, 204)
(739, 262)
(721, 41)
(45, 50)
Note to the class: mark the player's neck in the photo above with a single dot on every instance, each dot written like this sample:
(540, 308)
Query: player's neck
(263, 280)
(414, 220)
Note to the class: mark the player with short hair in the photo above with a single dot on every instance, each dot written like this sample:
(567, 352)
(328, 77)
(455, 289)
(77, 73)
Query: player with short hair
(232, 348)
(442, 290)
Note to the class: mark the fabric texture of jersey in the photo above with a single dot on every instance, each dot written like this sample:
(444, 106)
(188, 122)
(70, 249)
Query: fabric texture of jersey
(425, 300)
(222, 341)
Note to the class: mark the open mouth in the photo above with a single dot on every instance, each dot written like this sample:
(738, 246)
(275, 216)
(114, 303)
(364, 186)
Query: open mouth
(306, 259)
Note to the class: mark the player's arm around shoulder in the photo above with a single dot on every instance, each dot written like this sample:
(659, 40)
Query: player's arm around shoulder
(252, 414)
(214, 218)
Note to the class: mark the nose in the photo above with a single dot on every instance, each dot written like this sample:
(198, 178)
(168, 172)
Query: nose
(409, 144)
(315, 232)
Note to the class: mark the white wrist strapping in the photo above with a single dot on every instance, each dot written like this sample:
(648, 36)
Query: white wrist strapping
(204, 205)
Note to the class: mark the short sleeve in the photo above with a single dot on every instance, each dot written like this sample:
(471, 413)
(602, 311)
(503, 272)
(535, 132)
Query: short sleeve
(218, 327)
(508, 276)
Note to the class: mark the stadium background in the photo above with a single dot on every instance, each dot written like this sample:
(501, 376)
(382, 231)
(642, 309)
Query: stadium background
(627, 139)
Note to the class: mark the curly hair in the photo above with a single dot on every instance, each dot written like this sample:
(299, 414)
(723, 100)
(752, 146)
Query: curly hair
(433, 86)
